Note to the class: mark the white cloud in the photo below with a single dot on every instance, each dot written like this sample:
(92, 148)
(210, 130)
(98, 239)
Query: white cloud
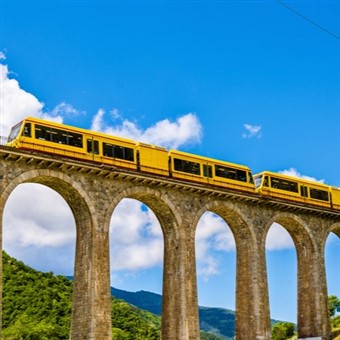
(136, 237)
(252, 131)
(278, 238)
(35, 215)
(186, 129)
(16, 103)
(212, 236)
(2, 56)
(294, 173)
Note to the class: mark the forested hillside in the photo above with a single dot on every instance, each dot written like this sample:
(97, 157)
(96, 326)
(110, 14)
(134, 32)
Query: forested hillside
(38, 306)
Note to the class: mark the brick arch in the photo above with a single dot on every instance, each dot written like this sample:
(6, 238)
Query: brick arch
(251, 284)
(231, 214)
(311, 285)
(297, 229)
(174, 280)
(71, 191)
(335, 228)
(161, 206)
(86, 219)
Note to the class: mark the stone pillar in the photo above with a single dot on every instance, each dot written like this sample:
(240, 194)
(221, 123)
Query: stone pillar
(180, 308)
(252, 303)
(91, 309)
(313, 318)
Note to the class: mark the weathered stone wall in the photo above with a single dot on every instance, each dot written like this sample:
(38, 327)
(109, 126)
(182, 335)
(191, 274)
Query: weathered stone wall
(93, 192)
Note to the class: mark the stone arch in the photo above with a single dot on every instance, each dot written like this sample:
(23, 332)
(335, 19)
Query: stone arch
(163, 208)
(297, 229)
(333, 228)
(88, 299)
(311, 306)
(71, 191)
(251, 284)
(175, 295)
(231, 214)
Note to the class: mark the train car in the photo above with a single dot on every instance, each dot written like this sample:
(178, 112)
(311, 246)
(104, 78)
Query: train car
(294, 189)
(54, 138)
(210, 171)
(152, 159)
(335, 197)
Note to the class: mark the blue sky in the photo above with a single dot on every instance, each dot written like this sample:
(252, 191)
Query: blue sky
(250, 82)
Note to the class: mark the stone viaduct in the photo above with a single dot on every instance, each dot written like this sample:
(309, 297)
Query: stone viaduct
(93, 192)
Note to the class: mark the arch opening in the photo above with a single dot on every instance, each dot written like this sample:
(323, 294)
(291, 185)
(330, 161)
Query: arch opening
(39, 230)
(136, 247)
(216, 275)
(281, 260)
(136, 259)
(332, 255)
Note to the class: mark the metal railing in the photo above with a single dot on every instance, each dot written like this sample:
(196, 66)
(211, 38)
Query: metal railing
(3, 140)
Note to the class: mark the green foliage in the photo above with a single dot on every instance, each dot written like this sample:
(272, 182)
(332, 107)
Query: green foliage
(333, 305)
(335, 322)
(283, 330)
(131, 320)
(37, 306)
(209, 336)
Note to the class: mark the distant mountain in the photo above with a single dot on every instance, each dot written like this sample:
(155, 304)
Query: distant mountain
(217, 321)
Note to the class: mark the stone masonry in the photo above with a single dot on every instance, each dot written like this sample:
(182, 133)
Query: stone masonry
(93, 191)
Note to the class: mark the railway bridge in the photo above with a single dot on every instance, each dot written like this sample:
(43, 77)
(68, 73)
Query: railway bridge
(93, 191)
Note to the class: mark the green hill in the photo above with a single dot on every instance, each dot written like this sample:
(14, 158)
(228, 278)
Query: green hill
(216, 321)
(37, 305)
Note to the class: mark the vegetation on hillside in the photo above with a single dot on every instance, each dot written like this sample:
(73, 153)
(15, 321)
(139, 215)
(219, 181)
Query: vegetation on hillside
(334, 308)
(38, 306)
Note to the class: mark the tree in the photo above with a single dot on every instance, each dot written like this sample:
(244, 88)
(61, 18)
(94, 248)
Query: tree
(283, 330)
(333, 305)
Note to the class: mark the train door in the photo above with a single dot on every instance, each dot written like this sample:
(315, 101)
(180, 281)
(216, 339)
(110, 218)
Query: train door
(207, 171)
(92, 149)
(304, 192)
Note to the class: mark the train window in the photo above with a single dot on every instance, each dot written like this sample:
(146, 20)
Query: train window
(319, 194)
(207, 170)
(116, 151)
(258, 180)
(283, 184)
(92, 146)
(14, 132)
(186, 166)
(75, 139)
(27, 130)
(42, 133)
(266, 181)
(58, 136)
(250, 178)
(231, 173)
(304, 191)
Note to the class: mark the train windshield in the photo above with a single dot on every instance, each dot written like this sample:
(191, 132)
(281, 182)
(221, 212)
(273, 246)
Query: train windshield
(258, 180)
(14, 132)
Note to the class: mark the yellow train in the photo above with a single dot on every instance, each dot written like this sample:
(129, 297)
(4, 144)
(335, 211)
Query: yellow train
(67, 141)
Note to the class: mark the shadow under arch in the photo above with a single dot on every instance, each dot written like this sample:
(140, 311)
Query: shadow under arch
(84, 215)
